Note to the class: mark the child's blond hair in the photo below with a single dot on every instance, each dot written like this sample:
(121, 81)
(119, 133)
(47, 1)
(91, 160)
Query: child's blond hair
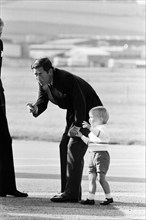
(101, 113)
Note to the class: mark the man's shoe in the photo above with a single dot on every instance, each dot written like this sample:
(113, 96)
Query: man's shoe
(107, 201)
(87, 202)
(17, 193)
(58, 194)
(63, 197)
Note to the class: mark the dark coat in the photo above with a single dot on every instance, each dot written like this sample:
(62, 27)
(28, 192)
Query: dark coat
(72, 93)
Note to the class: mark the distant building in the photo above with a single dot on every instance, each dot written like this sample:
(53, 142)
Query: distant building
(88, 56)
(53, 48)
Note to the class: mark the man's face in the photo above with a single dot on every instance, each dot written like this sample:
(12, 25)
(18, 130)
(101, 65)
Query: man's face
(42, 76)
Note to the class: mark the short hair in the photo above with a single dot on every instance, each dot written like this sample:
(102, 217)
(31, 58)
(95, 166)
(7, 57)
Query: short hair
(101, 113)
(43, 62)
(1, 22)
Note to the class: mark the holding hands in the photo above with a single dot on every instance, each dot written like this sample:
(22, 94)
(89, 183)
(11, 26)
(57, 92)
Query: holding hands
(84, 125)
(75, 131)
(79, 134)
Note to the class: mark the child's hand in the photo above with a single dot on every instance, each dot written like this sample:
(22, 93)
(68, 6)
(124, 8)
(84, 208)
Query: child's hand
(86, 125)
(79, 134)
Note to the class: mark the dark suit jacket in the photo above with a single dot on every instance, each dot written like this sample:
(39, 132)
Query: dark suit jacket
(72, 93)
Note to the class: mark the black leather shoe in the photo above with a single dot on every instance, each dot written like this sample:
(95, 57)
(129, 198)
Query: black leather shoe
(63, 198)
(107, 201)
(17, 193)
(59, 194)
(87, 202)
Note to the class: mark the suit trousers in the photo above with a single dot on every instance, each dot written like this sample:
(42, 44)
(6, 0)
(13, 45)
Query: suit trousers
(73, 161)
(63, 160)
(7, 173)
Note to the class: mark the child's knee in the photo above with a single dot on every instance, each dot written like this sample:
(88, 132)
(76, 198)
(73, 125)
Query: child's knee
(101, 178)
(92, 177)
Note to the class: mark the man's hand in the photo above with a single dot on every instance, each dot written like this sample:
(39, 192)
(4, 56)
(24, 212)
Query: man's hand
(73, 131)
(32, 108)
(79, 134)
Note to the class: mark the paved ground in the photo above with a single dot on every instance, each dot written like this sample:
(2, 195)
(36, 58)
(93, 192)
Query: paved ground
(37, 172)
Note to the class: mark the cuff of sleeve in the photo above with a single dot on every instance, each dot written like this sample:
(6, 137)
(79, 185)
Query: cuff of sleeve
(35, 113)
(85, 131)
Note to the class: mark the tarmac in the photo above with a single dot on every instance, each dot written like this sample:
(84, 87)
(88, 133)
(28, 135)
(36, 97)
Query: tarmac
(38, 173)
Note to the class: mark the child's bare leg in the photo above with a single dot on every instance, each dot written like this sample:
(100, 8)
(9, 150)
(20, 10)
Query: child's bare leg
(105, 185)
(92, 190)
(106, 189)
(92, 183)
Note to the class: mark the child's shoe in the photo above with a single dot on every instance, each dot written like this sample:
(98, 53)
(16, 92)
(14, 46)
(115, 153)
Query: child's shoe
(107, 201)
(87, 202)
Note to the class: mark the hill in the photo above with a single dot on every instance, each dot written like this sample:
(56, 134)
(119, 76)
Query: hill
(53, 18)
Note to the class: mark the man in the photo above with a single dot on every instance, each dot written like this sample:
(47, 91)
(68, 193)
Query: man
(72, 93)
(7, 173)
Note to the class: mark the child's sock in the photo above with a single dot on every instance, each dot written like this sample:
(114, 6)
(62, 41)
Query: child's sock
(108, 196)
(91, 196)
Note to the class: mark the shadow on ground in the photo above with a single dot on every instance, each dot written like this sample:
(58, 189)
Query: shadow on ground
(31, 208)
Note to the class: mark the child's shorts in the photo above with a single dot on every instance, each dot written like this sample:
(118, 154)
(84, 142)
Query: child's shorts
(99, 162)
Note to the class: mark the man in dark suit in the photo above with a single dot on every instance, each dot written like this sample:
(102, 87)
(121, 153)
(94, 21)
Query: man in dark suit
(72, 93)
(7, 173)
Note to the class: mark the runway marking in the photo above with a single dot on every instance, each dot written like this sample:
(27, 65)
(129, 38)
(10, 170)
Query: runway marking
(35, 158)
(56, 162)
(57, 176)
(36, 165)
(56, 159)
(112, 164)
